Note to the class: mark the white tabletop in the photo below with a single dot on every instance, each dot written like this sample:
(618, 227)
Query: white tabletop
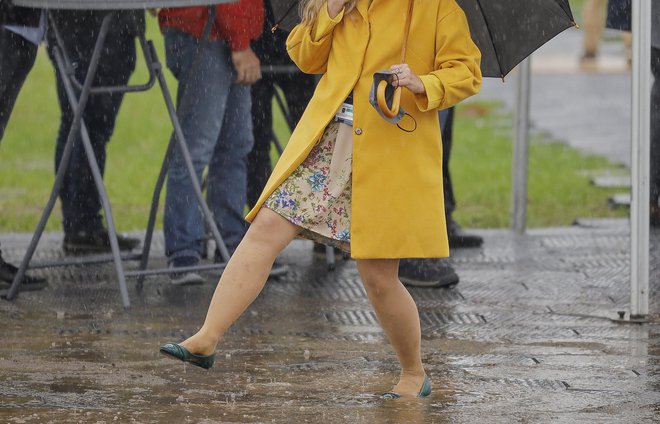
(114, 4)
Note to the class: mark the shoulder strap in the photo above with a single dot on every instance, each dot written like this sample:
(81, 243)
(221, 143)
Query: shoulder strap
(407, 30)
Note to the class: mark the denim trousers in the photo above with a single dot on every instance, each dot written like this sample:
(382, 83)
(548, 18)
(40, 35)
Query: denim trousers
(81, 204)
(215, 118)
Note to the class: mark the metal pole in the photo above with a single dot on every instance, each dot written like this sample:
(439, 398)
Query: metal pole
(520, 149)
(640, 163)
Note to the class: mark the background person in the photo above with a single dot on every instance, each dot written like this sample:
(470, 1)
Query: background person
(619, 14)
(213, 103)
(296, 87)
(21, 30)
(437, 272)
(81, 204)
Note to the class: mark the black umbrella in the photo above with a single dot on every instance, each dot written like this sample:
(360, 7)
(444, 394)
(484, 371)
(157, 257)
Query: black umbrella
(506, 31)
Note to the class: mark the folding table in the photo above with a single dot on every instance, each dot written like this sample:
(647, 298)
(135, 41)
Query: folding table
(78, 104)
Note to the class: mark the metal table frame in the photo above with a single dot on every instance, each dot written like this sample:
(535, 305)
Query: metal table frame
(78, 104)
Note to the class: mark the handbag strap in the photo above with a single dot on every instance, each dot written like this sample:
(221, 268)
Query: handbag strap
(407, 30)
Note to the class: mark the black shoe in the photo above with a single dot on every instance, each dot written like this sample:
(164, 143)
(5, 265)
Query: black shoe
(458, 239)
(184, 278)
(320, 249)
(81, 242)
(30, 283)
(426, 273)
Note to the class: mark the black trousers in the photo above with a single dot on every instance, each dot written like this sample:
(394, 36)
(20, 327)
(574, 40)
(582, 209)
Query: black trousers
(447, 134)
(655, 127)
(81, 204)
(17, 56)
(297, 89)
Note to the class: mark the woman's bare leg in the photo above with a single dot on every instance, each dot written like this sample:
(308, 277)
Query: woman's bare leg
(397, 313)
(243, 278)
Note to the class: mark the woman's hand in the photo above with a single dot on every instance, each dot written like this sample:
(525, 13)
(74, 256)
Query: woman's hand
(335, 6)
(404, 77)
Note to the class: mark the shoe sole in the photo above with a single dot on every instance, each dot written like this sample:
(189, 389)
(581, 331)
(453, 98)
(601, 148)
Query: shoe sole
(85, 249)
(446, 283)
(190, 279)
(459, 243)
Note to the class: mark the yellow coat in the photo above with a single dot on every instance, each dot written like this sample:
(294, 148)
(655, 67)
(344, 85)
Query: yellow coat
(397, 199)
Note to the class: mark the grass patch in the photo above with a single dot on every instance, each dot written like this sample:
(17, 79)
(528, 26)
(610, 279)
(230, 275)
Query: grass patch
(559, 191)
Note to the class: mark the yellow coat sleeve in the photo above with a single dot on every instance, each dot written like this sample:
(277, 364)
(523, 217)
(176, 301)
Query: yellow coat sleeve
(457, 72)
(309, 46)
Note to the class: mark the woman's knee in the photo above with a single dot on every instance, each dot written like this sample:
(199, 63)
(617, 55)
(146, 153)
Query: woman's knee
(269, 227)
(378, 274)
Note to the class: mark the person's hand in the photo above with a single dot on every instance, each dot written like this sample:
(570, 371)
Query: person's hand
(404, 77)
(335, 6)
(248, 67)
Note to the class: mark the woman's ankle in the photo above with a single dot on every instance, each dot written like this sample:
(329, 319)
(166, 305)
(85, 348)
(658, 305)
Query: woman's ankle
(201, 344)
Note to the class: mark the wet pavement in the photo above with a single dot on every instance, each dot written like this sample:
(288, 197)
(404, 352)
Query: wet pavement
(530, 335)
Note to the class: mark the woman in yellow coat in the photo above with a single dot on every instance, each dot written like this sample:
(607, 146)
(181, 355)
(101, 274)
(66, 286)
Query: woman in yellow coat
(357, 180)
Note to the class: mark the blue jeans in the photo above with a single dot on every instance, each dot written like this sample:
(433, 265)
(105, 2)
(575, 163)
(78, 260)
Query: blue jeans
(215, 118)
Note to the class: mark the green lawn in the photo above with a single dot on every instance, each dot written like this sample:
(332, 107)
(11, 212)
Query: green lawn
(559, 191)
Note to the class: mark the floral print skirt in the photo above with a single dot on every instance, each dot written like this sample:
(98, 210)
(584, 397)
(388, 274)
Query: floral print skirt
(317, 194)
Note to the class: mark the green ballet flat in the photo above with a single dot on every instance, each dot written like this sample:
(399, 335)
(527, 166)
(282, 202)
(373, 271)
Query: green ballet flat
(425, 391)
(177, 351)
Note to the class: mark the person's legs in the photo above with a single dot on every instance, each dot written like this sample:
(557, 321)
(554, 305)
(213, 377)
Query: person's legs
(243, 278)
(655, 137)
(259, 163)
(457, 237)
(227, 176)
(81, 205)
(398, 315)
(201, 106)
(17, 56)
(593, 17)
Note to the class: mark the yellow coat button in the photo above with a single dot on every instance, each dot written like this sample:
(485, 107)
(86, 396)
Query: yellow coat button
(358, 131)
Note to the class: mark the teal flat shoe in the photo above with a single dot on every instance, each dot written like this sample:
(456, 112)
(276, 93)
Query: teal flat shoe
(179, 352)
(425, 391)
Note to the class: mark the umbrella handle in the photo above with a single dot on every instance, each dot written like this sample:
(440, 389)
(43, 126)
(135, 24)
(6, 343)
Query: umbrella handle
(382, 103)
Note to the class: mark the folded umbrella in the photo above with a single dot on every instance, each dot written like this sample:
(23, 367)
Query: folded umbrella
(506, 31)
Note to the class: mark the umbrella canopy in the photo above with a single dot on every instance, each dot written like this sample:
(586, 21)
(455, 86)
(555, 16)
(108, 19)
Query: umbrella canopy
(506, 31)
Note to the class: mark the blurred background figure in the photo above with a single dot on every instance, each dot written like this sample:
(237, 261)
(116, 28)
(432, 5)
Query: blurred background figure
(438, 272)
(593, 23)
(81, 205)
(213, 103)
(619, 16)
(296, 87)
(21, 31)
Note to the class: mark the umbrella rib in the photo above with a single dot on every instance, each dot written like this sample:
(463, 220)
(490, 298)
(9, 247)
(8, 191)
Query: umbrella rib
(490, 34)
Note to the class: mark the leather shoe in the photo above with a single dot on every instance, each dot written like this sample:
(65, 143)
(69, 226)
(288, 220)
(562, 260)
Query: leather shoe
(425, 391)
(8, 272)
(177, 351)
(426, 273)
(458, 238)
(82, 242)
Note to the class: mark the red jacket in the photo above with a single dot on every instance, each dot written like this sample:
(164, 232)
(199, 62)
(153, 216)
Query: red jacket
(237, 23)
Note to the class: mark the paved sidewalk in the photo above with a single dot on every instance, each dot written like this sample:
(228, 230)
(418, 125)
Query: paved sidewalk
(528, 336)
(589, 109)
